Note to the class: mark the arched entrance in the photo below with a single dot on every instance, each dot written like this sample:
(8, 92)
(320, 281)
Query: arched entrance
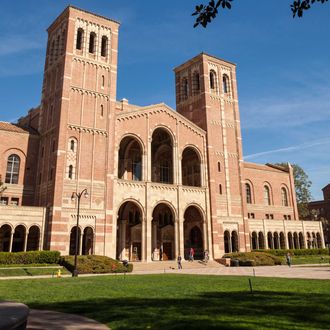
(193, 232)
(319, 240)
(5, 235)
(276, 241)
(33, 239)
(129, 232)
(270, 240)
(301, 240)
(163, 236)
(19, 239)
(88, 241)
(309, 240)
(254, 241)
(282, 240)
(130, 159)
(73, 241)
(261, 240)
(290, 240)
(295, 240)
(231, 242)
(191, 168)
(161, 156)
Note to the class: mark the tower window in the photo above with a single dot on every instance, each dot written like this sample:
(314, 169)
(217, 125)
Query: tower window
(92, 39)
(80, 37)
(103, 81)
(219, 167)
(196, 83)
(284, 196)
(267, 200)
(72, 145)
(102, 110)
(185, 89)
(225, 84)
(220, 189)
(104, 46)
(70, 173)
(248, 193)
(213, 81)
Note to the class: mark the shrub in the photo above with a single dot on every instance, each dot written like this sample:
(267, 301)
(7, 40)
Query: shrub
(30, 257)
(93, 264)
(297, 252)
(254, 258)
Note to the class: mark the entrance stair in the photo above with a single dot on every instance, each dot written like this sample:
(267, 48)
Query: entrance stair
(172, 264)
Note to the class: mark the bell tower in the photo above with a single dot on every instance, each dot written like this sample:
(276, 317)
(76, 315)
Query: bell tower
(77, 126)
(206, 94)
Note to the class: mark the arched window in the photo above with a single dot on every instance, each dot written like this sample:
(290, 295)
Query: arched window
(70, 173)
(12, 172)
(213, 81)
(225, 84)
(219, 167)
(196, 83)
(248, 193)
(104, 46)
(267, 200)
(284, 196)
(92, 39)
(164, 171)
(185, 89)
(80, 38)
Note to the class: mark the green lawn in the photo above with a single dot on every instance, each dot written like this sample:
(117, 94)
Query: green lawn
(27, 270)
(172, 301)
(316, 259)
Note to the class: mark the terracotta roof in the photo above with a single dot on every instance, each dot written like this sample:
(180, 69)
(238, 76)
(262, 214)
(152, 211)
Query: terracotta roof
(4, 126)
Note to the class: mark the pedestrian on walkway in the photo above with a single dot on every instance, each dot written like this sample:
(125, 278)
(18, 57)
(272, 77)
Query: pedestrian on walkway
(191, 254)
(289, 259)
(206, 256)
(179, 262)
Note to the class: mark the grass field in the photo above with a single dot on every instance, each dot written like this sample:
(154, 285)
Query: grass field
(317, 259)
(27, 270)
(181, 301)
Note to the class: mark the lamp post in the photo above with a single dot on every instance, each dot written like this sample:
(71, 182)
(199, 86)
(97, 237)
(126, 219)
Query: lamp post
(77, 196)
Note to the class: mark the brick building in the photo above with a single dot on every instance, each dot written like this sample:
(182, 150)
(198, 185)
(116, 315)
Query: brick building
(320, 211)
(159, 181)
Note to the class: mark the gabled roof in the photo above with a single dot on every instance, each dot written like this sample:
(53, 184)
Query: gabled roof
(164, 107)
(9, 127)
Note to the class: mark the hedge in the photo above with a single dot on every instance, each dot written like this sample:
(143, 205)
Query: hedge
(297, 252)
(93, 264)
(30, 257)
(254, 258)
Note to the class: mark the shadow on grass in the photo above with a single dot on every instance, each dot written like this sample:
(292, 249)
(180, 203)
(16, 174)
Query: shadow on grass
(213, 310)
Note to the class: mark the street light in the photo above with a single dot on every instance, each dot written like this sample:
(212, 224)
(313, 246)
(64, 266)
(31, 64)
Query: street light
(73, 197)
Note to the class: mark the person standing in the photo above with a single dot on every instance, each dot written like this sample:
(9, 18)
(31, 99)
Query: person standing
(179, 262)
(289, 259)
(191, 254)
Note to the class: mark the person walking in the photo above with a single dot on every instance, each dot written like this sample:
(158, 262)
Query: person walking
(191, 254)
(206, 256)
(289, 259)
(179, 262)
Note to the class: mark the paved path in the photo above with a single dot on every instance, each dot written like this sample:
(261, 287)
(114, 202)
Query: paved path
(50, 320)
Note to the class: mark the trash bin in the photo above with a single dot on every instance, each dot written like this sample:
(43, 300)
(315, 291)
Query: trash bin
(234, 263)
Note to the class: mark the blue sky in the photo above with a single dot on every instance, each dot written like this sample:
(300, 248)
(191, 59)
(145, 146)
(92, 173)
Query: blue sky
(283, 66)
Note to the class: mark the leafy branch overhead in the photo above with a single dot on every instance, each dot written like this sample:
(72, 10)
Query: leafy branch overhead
(207, 12)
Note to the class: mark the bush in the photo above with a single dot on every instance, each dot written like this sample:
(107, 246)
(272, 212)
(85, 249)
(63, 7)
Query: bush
(297, 252)
(30, 257)
(92, 264)
(254, 258)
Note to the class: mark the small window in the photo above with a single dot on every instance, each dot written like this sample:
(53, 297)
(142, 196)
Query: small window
(102, 110)
(284, 196)
(70, 173)
(267, 216)
(92, 39)
(248, 193)
(14, 201)
(80, 37)
(220, 189)
(12, 172)
(225, 84)
(4, 200)
(289, 217)
(219, 167)
(285, 217)
(185, 89)
(196, 83)
(252, 216)
(72, 145)
(271, 216)
(104, 46)
(102, 81)
(267, 200)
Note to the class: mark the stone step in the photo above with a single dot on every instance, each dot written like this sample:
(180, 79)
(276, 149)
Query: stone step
(171, 264)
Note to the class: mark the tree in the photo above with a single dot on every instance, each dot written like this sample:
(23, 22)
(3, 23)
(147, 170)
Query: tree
(302, 187)
(207, 12)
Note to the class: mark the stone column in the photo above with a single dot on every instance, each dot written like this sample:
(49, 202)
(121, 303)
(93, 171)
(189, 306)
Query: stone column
(25, 240)
(143, 239)
(81, 242)
(122, 253)
(11, 240)
(153, 237)
(181, 237)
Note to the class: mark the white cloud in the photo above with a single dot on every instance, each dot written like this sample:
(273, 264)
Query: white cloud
(17, 44)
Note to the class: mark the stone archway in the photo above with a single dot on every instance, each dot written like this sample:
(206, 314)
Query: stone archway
(270, 240)
(319, 240)
(254, 241)
(234, 241)
(282, 240)
(261, 240)
(193, 232)
(276, 241)
(19, 239)
(129, 232)
(88, 241)
(290, 240)
(73, 240)
(295, 241)
(5, 236)
(191, 168)
(163, 234)
(33, 240)
(302, 241)
(227, 241)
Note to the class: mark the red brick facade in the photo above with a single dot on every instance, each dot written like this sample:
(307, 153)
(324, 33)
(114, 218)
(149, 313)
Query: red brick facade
(159, 181)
